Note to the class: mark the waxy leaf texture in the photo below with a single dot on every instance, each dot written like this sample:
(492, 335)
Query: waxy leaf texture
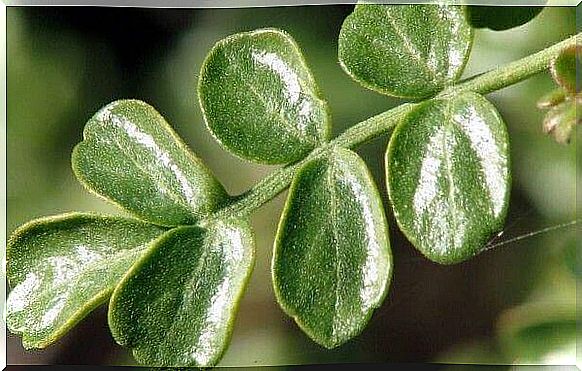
(448, 176)
(332, 262)
(176, 306)
(408, 51)
(62, 267)
(260, 100)
(132, 157)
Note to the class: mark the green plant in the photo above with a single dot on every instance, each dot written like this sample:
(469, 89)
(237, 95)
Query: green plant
(332, 262)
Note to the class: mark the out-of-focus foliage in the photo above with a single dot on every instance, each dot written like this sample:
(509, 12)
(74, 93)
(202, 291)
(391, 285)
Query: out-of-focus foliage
(48, 78)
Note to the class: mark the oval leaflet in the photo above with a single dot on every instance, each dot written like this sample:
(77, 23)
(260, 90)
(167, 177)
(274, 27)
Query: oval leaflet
(132, 157)
(408, 51)
(176, 306)
(259, 98)
(447, 169)
(332, 262)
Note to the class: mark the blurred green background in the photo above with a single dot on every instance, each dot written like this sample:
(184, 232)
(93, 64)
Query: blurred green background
(514, 304)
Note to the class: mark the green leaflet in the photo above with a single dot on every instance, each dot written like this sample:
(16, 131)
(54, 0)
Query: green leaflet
(500, 18)
(131, 156)
(332, 262)
(259, 98)
(563, 69)
(176, 306)
(409, 51)
(62, 267)
(448, 176)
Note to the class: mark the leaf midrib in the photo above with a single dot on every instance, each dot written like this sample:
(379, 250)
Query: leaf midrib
(170, 192)
(193, 283)
(286, 124)
(330, 177)
(409, 46)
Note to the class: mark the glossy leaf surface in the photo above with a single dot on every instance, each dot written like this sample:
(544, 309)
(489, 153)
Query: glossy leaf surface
(176, 306)
(500, 18)
(448, 176)
(332, 262)
(60, 268)
(259, 98)
(410, 51)
(131, 156)
(563, 69)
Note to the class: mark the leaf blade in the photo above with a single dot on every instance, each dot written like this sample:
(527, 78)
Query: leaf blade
(322, 276)
(130, 156)
(259, 98)
(62, 267)
(189, 321)
(447, 169)
(407, 51)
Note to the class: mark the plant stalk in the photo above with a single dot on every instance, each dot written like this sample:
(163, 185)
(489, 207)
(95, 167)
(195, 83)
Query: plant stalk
(375, 126)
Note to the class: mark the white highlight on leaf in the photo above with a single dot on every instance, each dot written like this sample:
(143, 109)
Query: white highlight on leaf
(304, 115)
(164, 157)
(485, 146)
(232, 255)
(56, 305)
(286, 73)
(20, 295)
(63, 267)
(456, 56)
(295, 99)
(86, 256)
(204, 349)
(370, 273)
(427, 189)
(104, 113)
(434, 216)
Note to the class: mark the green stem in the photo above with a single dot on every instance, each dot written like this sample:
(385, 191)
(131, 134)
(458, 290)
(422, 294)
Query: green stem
(375, 126)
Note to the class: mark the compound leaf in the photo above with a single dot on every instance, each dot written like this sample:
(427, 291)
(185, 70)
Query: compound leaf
(409, 51)
(259, 98)
(132, 157)
(177, 304)
(332, 262)
(62, 267)
(501, 18)
(448, 176)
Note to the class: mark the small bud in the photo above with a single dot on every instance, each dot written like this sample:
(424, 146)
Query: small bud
(563, 68)
(560, 121)
(552, 99)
